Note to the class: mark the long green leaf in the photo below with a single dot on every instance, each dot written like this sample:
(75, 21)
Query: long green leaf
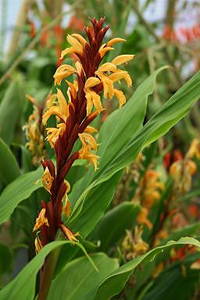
(115, 282)
(168, 115)
(9, 169)
(98, 200)
(79, 280)
(23, 286)
(17, 191)
(10, 110)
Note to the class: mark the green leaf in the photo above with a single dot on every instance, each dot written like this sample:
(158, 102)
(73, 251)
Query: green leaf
(10, 110)
(168, 115)
(98, 200)
(9, 169)
(110, 230)
(17, 191)
(23, 286)
(79, 280)
(173, 283)
(115, 282)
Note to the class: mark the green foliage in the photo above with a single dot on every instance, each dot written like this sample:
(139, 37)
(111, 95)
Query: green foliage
(114, 283)
(126, 212)
(9, 169)
(17, 191)
(84, 283)
(11, 110)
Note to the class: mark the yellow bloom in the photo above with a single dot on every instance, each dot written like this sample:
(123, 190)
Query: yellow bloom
(122, 59)
(88, 140)
(47, 179)
(91, 157)
(194, 150)
(66, 204)
(114, 41)
(34, 133)
(54, 133)
(77, 42)
(60, 109)
(38, 244)
(41, 220)
(142, 218)
(69, 234)
(92, 97)
(62, 72)
(88, 144)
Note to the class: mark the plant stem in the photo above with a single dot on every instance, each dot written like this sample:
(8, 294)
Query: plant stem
(46, 274)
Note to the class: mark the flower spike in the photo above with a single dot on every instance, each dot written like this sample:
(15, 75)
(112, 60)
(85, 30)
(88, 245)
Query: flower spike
(73, 112)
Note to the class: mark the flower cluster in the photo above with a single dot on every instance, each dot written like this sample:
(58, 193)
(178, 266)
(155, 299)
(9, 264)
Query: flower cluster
(148, 192)
(87, 80)
(34, 132)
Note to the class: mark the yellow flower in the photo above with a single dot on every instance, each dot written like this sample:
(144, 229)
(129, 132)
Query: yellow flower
(88, 144)
(194, 150)
(60, 109)
(107, 74)
(47, 179)
(142, 218)
(54, 133)
(62, 72)
(69, 234)
(92, 97)
(77, 42)
(38, 244)
(41, 220)
(66, 204)
(34, 133)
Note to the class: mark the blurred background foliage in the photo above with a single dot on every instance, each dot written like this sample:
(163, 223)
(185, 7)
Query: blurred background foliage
(157, 197)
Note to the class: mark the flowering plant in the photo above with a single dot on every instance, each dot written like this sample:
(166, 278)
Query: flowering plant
(106, 198)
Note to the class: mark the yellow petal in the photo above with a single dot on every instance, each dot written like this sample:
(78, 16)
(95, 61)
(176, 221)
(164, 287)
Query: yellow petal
(114, 41)
(91, 82)
(104, 50)
(107, 85)
(89, 103)
(96, 99)
(51, 111)
(72, 88)
(69, 234)
(54, 133)
(90, 129)
(80, 38)
(63, 106)
(91, 157)
(88, 139)
(47, 179)
(79, 67)
(120, 96)
(62, 72)
(66, 52)
(107, 67)
(75, 44)
(121, 59)
(41, 220)
(38, 244)
(121, 75)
